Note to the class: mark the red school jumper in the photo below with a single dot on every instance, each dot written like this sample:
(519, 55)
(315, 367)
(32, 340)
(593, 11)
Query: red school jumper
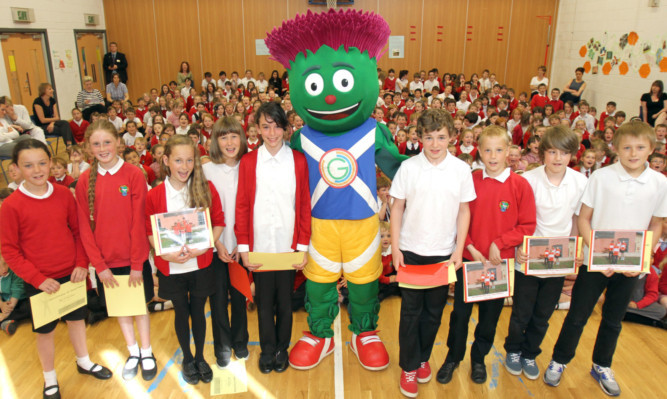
(79, 131)
(25, 220)
(64, 182)
(156, 202)
(119, 238)
(245, 200)
(502, 213)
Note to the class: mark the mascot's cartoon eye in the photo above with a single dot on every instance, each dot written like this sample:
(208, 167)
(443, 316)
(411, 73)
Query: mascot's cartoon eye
(343, 80)
(314, 84)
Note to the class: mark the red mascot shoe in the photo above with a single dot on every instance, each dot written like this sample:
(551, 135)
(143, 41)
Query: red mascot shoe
(309, 351)
(370, 351)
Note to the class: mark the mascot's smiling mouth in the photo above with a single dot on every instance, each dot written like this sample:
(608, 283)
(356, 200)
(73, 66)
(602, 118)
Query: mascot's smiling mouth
(335, 114)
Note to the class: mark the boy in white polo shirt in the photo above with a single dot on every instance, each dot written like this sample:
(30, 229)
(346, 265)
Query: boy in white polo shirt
(627, 195)
(432, 190)
(558, 190)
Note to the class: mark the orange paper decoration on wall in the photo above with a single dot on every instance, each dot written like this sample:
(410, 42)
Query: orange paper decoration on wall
(632, 38)
(606, 68)
(623, 68)
(583, 51)
(663, 64)
(644, 71)
(587, 66)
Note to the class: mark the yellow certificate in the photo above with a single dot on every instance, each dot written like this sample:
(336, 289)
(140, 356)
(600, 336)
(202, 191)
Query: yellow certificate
(233, 379)
(276, 262)
(125, 300)
(49, 307)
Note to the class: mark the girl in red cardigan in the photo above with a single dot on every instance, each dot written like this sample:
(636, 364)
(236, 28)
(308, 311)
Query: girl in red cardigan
(111, 198)
(185, 276)
(38, 206)
(273, 186)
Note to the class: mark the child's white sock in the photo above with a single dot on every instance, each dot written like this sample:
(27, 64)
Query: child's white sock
(50, 380)
(134, 351)
(147, 363)
(86, 364)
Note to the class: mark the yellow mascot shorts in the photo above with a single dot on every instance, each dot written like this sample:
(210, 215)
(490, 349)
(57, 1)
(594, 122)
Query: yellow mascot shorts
(350, 247)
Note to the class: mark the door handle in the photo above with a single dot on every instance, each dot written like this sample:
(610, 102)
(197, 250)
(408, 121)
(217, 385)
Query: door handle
(27, 83)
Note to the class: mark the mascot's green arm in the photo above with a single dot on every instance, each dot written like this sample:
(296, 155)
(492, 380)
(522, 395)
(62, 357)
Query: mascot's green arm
(387, 156)
(295, 143)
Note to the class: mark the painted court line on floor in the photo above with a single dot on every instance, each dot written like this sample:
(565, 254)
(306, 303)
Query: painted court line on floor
(339, 384)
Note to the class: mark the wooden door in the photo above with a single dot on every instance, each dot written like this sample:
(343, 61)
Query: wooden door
(25, 64)
(90, 48)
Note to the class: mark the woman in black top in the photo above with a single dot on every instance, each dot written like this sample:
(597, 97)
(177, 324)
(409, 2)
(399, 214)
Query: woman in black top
(45, 110)
(654, 104)
(276, 82)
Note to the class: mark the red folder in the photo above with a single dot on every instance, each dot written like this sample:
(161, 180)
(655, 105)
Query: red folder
(239, 279)
(424, 275)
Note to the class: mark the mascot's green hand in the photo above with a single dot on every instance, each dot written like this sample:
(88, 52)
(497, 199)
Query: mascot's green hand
(387, 156)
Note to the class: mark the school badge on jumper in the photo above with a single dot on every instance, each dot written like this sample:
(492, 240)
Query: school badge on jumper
(124, 190)
(504, 206)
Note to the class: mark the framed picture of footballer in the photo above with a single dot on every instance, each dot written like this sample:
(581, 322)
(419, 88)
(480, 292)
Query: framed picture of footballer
(485, 281)
(173, 231)
(551, 255)
(620, 250)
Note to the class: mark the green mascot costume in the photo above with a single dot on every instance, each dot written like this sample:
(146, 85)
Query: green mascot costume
(331, 59)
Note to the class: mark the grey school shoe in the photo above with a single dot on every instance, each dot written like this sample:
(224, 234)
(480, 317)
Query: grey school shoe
(605, 377)
(530, 369)
(553, 373)
(513, 363)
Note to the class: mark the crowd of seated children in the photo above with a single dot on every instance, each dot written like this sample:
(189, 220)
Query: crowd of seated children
(473, 105)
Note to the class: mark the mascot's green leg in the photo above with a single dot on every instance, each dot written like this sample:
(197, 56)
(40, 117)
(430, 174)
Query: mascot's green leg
(322, 307)
(363, 307)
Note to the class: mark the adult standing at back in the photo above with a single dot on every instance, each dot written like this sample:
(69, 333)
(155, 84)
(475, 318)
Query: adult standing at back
(654, 104)
(114, 61)
(573, 90)
(538, 80)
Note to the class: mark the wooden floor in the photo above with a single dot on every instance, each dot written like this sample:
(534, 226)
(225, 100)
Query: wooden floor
(640, 365)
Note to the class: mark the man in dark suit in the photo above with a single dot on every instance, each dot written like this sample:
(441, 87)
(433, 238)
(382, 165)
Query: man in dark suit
(114, 62)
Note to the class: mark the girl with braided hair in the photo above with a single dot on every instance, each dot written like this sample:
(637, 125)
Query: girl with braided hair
(111, 198)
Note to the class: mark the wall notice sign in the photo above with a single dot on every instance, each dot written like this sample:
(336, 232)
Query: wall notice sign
(396, 46)
(260, 47)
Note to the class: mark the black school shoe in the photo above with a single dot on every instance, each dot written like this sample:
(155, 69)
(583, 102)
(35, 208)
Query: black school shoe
(241, 354)
(148, 374)
(190, 373)
(478, 373)
(102, 374)
(205, 372)
(130, 373)
(446, 372)
(266, 363)
(281, 362)
(55, 395)
(223, 360)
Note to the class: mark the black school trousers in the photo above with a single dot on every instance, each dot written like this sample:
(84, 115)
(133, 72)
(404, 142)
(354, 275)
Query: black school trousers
(421, 314)
(535, 300)
(585, 294)
(226, 335)
(273, 295)
(485, 332)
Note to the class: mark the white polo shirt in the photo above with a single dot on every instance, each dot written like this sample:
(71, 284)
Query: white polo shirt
(623, 202)
(433, 194)
(556, 204)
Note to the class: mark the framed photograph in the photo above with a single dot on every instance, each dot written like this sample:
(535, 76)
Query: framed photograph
(172, 231)
(620, 250)
(484, 281)
(551, 255)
